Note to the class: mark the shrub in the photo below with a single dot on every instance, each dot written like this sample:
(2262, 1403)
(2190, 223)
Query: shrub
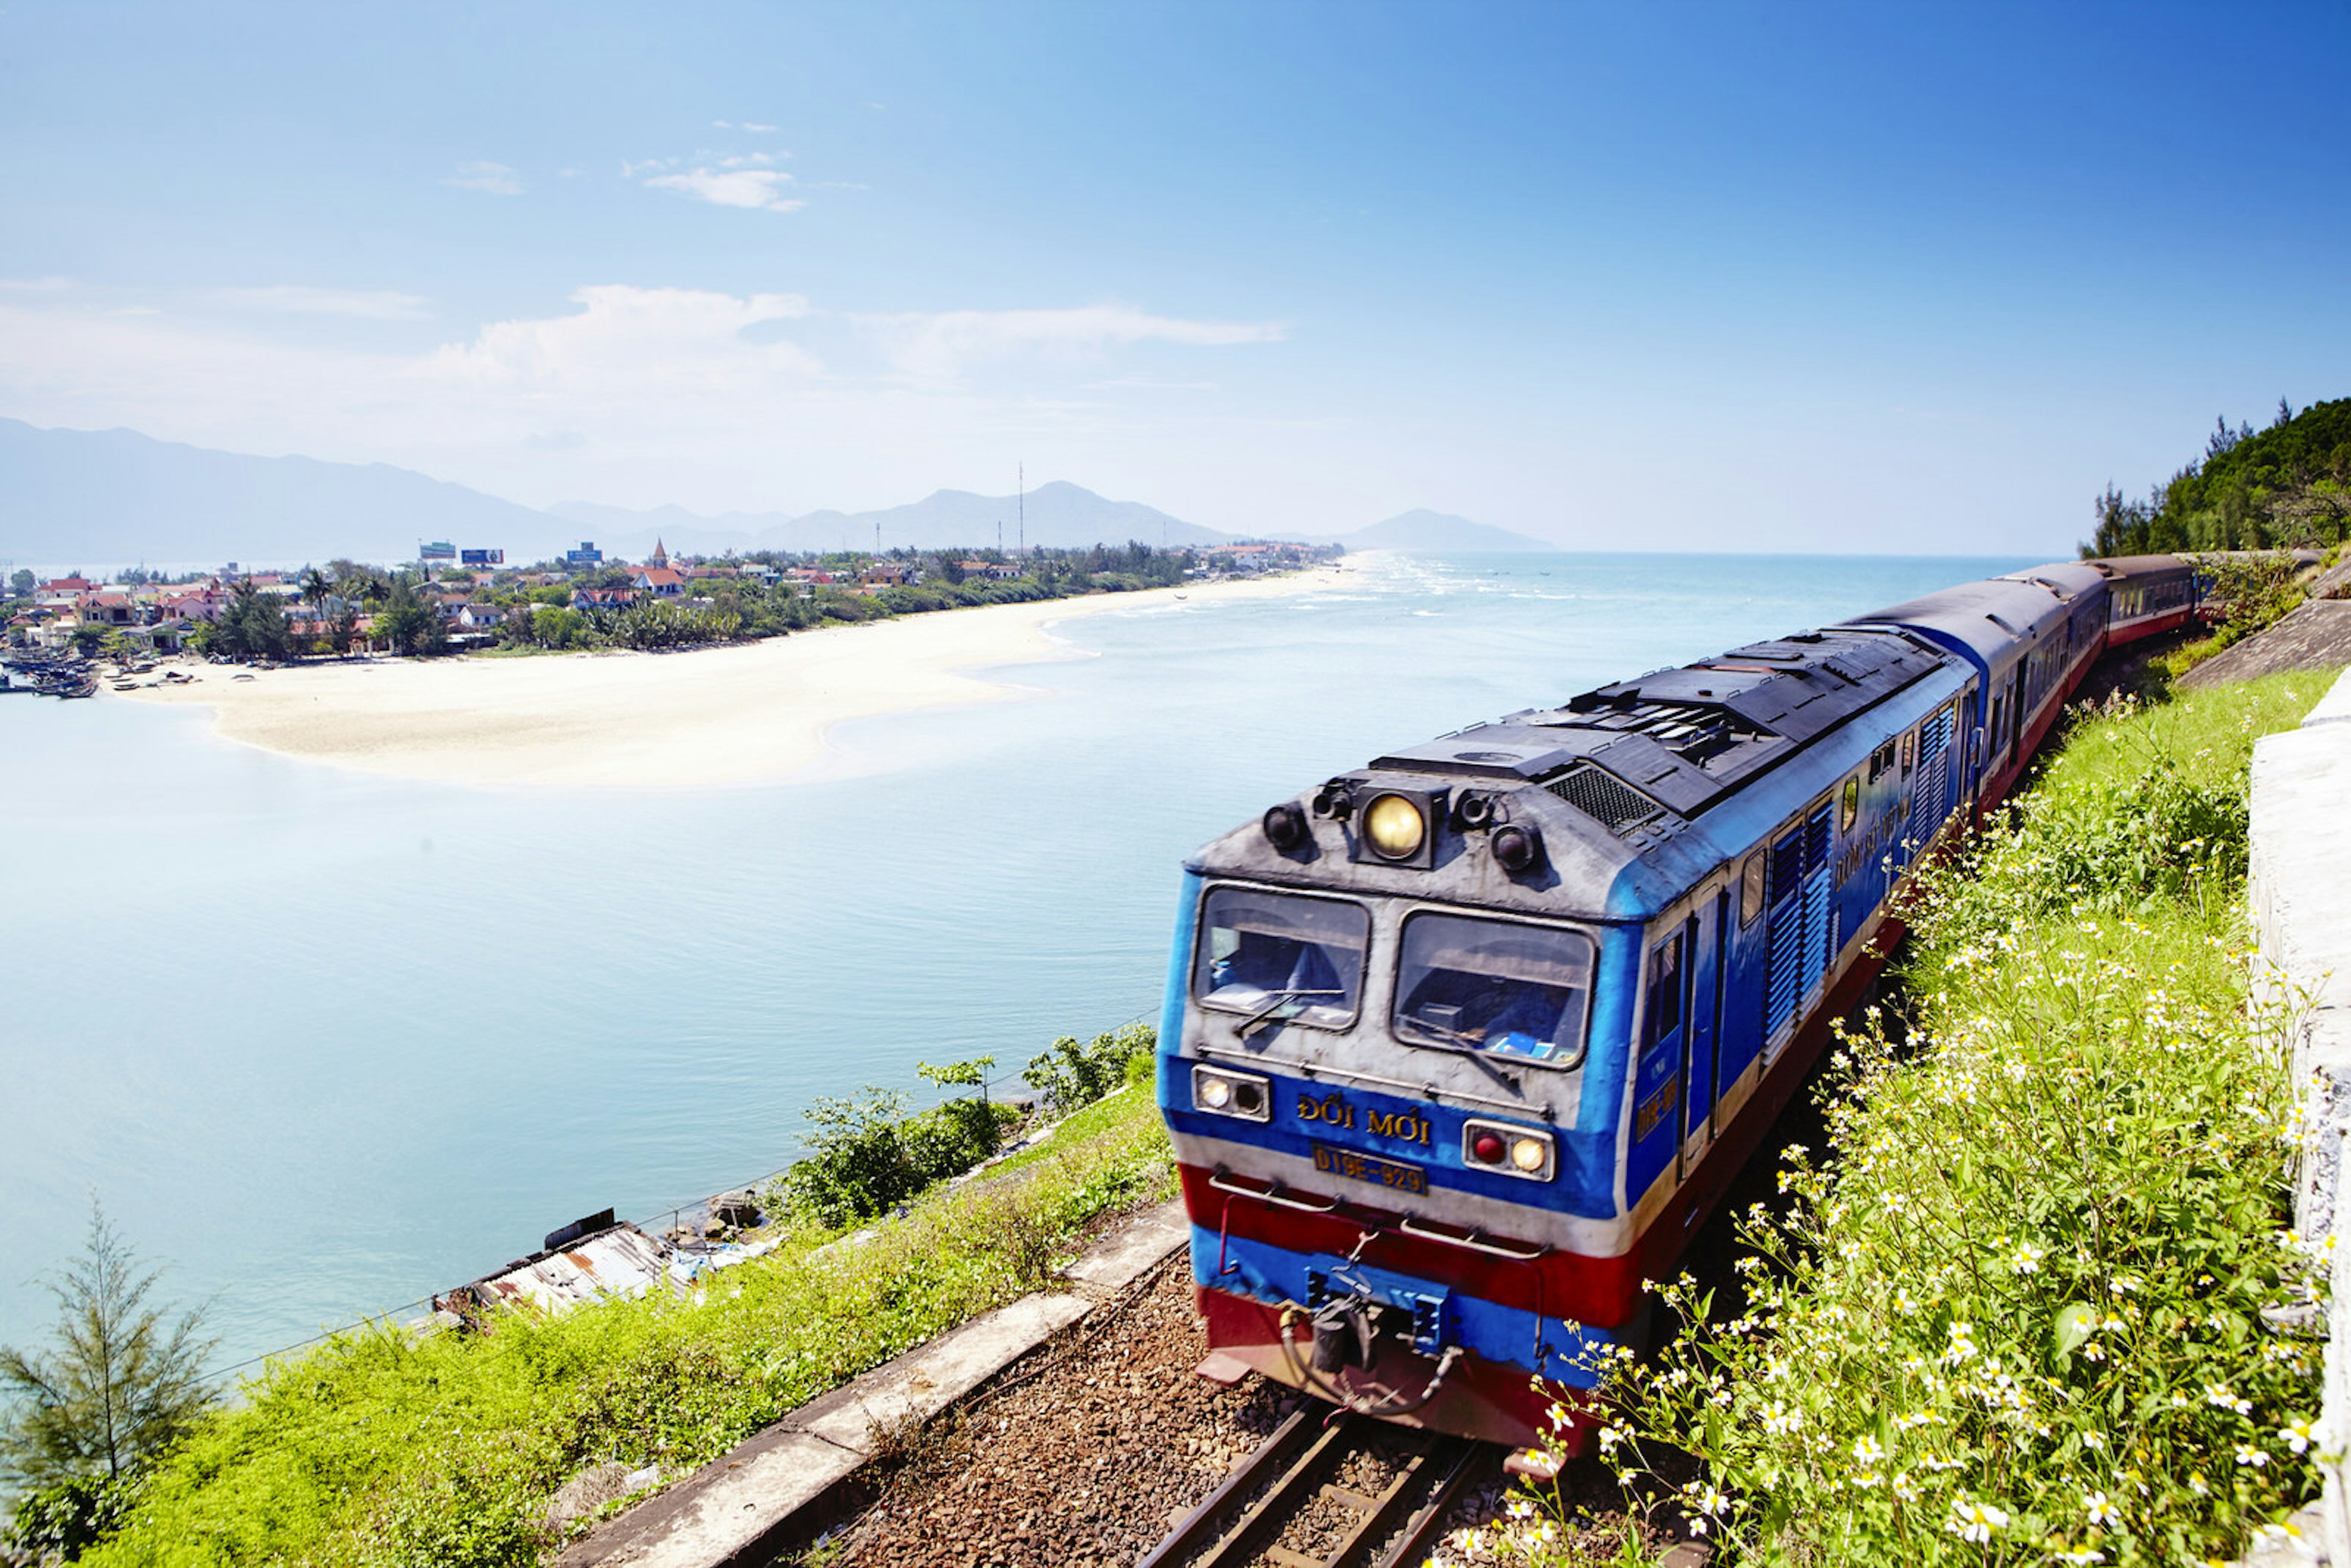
(868, 1155)
(60, 1521)
(1069, 1075)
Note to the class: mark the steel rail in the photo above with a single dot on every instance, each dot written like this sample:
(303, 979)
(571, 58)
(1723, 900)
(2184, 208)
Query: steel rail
(1238, 1523)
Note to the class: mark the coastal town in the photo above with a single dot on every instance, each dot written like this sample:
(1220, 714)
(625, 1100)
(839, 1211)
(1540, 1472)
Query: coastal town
(458, 600)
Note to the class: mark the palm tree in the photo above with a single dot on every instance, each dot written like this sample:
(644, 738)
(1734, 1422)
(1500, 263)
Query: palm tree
(316, 585)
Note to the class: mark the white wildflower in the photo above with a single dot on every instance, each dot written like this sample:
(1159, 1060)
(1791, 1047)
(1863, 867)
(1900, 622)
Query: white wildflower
(1972, 1521)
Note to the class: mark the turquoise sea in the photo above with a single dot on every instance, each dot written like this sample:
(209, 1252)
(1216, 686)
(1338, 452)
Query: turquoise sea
(325, 1042)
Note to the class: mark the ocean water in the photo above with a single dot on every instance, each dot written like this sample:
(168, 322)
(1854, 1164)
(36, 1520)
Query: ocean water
(324, 1043)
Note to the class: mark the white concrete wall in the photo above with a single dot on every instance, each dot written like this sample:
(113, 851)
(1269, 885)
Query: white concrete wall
(2302, 912)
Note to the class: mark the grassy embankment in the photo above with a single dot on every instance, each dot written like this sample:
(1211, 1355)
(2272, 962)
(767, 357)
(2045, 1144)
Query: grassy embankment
(2017, 1315)
(380, 1450)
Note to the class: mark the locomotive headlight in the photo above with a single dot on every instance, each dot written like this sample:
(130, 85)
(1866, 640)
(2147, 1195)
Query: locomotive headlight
(1241, 1095)
(1529, 1154)
(1394, 827)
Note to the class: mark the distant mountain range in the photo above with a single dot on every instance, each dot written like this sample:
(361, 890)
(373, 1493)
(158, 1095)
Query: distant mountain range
(115, 497)
(1058, 513)
(104, 499)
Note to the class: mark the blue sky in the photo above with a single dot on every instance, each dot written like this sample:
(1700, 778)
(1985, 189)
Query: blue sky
(1789, 278)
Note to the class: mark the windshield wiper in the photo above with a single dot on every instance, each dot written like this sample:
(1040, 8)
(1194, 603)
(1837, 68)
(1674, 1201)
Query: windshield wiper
(1280, 999)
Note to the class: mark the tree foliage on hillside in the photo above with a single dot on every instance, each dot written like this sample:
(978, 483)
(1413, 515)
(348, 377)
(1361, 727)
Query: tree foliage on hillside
(2286, 486)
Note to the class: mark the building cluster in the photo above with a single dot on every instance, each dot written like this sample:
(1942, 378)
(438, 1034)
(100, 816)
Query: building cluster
(158, 616)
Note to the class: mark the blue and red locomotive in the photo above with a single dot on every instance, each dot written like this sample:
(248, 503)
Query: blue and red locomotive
(1461, 1047)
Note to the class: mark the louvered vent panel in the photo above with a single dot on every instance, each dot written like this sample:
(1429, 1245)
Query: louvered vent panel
(1930, 795)
(1601, 796)
(1785, 982)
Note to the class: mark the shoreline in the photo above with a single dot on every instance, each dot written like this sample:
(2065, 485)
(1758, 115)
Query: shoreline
(750, 713)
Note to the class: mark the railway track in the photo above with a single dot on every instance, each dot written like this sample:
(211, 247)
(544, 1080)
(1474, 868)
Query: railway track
(1290, 1486)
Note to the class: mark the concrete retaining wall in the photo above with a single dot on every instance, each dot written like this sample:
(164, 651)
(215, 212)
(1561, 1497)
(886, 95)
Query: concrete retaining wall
(2302, 912)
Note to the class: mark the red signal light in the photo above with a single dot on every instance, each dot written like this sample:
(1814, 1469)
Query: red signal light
(1488, 1148)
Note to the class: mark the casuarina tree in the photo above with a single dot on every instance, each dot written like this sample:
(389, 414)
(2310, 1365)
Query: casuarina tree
(120, 1379)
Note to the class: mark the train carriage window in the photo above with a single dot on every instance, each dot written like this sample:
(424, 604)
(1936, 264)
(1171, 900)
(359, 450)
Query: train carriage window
(1750, 887)
(1661, 1009)
(1881, 761)
(1493, 985)
(1849, 804)
(1909, 752)
(1281, 954)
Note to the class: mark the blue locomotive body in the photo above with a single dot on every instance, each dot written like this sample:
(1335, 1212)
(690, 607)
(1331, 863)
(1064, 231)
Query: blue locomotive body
(1461, 1047)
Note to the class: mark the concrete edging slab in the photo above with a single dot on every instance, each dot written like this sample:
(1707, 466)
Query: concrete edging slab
(2300, 890)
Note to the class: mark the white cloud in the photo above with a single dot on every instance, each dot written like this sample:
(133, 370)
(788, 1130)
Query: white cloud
(640, 395)
(624, 338)
(494, 178)
(745, 125)
(1149, 383)
(297, 299)
(749, 188)
(941, 347)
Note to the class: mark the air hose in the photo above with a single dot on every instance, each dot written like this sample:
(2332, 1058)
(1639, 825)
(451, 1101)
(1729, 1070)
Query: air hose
(1379, 1409)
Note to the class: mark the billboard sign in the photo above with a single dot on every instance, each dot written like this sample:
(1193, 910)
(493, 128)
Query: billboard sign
(482, 557)
(439, 549)
(586, 554)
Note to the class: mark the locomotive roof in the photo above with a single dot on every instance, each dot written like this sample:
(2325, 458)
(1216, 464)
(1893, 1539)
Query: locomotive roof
(1688, 736)
(1617, 779)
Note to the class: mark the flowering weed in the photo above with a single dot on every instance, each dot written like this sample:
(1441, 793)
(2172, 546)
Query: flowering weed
(2017, 1315)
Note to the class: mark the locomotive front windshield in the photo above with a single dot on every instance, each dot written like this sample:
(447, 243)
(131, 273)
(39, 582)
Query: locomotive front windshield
(1276, 955)
(1493, 985)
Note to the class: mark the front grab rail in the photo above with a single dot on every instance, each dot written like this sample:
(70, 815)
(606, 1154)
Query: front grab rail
(1275, 1194)
(1473, 1242)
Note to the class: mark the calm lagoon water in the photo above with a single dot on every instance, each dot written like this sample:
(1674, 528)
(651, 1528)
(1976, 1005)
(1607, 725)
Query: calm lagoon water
(325, 1043)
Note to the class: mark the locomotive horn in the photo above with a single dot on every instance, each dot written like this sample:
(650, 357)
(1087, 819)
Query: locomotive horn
(1285, 826)
(1517, 849)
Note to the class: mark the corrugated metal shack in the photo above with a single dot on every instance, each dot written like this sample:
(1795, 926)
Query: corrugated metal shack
(601, 1256)
(597, 1256)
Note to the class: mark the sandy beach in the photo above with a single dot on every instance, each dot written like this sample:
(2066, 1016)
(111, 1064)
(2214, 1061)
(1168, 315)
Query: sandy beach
(707, 718)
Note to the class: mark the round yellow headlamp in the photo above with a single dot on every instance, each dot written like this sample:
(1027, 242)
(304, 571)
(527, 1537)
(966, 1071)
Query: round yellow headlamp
(1394, 827)
(1215, 1093)
(1527, 1153)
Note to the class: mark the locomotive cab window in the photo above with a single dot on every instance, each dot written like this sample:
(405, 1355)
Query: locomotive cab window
(1849, 805)
(1281, 954)
(1661, 1011)
(1493, 985)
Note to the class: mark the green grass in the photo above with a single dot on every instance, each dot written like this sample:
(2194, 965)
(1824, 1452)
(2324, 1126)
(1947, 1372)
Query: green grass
(2015, 1314)
(377, 1450)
